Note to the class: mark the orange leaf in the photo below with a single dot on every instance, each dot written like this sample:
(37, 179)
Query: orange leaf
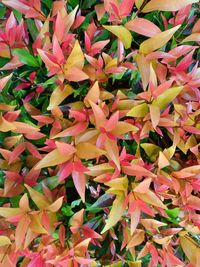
(143, 186)
(136, 239)
(53, 158)
(4, 81)
(169, 5)
(74, 130)
(157, 41)
(39, 199)
(59, 95)
(112, 151)
(93, 94)
(100, 118)
(77, 220)
(143, 27)
(79, 180)
(194, 37)
(21, 230)
(137, 170)
(65, 149)
(135, 219)
(75, 75)
(61, 234)
(86, 150)
(55, 206)
(24, 203)
(6, 126)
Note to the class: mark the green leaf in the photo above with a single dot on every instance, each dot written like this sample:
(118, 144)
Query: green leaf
(2, 11)
(25, 57)
(3, 61)
(87, 4)
(18, 15)
(48, 3)
(32, 28)
(173, 213)
(73, 3)
(67, 211)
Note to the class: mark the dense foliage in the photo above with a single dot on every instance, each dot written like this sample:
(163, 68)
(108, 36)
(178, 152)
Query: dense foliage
(99, 133)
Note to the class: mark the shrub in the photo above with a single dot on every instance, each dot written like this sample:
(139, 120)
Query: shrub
(99, 132)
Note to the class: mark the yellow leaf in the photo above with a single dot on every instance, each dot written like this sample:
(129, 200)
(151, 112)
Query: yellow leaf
(151, 199)
(124, 127)
(136, 239)
(169, 5)
(59, 95)
(119, 187)
(70, 19)
(138, 111)
(195, 37)
(152, 75)
(118, 184)
(168, 96)
(122, 33)
(39, 199)
(112, 151)
(10, 212)
(93, 94)
(76, 58)
(155, 115)
(157, 41)
(139, 3)
(86, 150)
(150, 149)
(99, 169)
(36, 225)
(144, 68)
(6, 126)
(115, 213)
(162, 240)
(135, 219)
(4, 240)
(162, 160)
(134, 263)
(190, 248)
(150, 224)
(53, 158)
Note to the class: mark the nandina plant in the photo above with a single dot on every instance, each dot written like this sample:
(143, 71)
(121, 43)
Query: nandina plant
(99, 133)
